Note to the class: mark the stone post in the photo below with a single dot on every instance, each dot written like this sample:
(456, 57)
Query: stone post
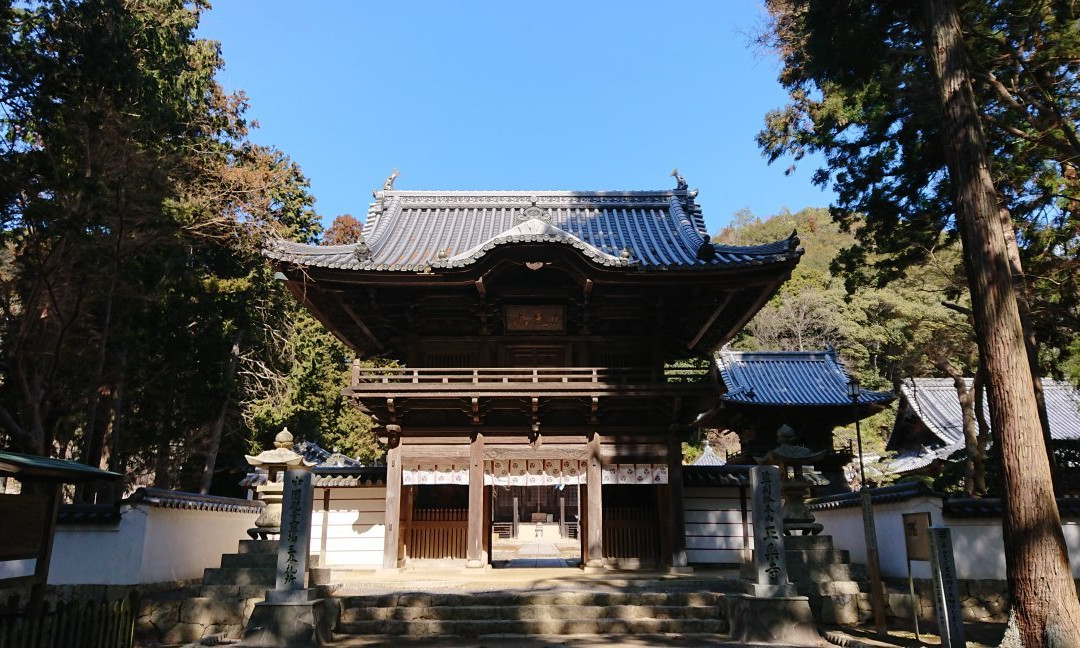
(292, 615)
(770, 611)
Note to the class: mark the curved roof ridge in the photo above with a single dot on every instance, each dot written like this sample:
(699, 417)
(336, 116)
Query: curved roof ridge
(533, 230)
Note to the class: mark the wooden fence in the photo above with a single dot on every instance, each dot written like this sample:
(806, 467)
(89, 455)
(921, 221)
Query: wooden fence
(437, 533)
(631, 533)
(72, 624)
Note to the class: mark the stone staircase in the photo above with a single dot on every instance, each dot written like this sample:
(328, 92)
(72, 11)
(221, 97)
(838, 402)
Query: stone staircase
(225, 601)
(836, 588)
(506, 614)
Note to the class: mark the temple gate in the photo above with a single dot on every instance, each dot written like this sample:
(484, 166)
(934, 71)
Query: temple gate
(541, 340)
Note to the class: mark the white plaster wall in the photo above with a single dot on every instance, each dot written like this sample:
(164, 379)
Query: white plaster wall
(181, 543)
(149, 545)
(846, 528)
(978, 546)
(350, 532)
(98, 554)
(713, 521)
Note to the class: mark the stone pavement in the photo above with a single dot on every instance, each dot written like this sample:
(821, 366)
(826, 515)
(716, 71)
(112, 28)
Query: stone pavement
(547, 641)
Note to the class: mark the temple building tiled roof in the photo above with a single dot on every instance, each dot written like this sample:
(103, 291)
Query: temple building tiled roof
(932, 404)
(789, 378)
(424, 231)
(708, 458)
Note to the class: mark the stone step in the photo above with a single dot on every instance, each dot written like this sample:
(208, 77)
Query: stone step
(534, 598)
(477, 628)
(529, 613)
(826, 572)
(258, 546)
(234, 591)
(257, 559)
(827, 588)
(803, 556)
(261, 576)
(808, 543)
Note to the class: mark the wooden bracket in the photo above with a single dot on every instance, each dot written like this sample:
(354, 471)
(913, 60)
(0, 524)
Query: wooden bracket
(594, 411)
(393, 411)
(476, 420)
(712, 320)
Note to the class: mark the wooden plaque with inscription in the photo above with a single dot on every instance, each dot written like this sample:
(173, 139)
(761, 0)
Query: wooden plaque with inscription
(25, 522)
(539, 318)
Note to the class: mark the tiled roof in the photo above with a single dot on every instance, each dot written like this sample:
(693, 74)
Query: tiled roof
(331, 477)
(419, 231)
(935, 402)
(975, 507)
(793, 378)
(318, 455)
(921, 457)
(163, 498)
(88, 514)
(708, 458)
(883, 495)
(32, 467)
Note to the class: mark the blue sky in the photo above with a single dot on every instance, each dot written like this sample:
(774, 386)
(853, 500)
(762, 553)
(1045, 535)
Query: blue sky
(513, 95)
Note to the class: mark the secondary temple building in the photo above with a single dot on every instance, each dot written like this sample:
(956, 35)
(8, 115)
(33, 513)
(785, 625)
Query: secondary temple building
(551, 350)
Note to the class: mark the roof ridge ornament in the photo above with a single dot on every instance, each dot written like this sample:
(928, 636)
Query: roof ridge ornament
(680, 182)
(388, 184)
(361, 249)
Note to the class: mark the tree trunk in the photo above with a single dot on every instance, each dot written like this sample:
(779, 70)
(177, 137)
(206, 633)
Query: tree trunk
(1023, 304)
(983, 439)
(117, 454)
(1040, 579)
(967, 408)
(219, 422)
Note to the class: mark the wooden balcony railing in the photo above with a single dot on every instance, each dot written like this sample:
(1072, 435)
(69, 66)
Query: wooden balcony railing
(526, 379)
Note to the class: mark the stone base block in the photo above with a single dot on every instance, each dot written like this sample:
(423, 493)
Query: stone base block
(290, 624)
(769, 591)
(779, 620)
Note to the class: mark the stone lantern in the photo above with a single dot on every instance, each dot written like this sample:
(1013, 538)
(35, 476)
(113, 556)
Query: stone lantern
(275, 461)
(794, 483)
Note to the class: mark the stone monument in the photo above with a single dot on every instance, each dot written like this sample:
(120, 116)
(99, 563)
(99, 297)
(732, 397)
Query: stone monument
(770, 611)
(293, 614)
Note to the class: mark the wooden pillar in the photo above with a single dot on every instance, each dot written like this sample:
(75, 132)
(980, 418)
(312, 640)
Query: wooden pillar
(677, 517)
(475, 543)
(488, 504)
(663, 514)
(562, 517)
(393, 508)
(594, 543)
(408, 504)
(515, 529)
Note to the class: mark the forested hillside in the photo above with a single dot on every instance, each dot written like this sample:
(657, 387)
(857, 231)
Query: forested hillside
(883, 334)
(916, 325)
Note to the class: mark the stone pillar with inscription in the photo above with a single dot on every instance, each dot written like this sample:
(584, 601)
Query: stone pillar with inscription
(770, 610)
(770, 564)
(293, 614)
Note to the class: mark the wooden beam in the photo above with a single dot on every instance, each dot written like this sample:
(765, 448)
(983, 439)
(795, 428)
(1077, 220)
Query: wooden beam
(712, 320)
(392, 519)
(546, 451)
(474, 547)
(593, 480)
(480, 289)
(763, 296)
(432, 451)
(360, 324)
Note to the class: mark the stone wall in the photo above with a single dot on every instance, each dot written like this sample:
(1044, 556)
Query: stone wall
(981, 600)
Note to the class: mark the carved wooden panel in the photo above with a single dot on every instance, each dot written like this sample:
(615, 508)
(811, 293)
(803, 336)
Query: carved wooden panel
(537, 318)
